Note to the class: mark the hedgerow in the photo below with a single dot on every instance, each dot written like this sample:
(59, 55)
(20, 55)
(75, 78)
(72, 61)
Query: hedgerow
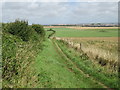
(20, 45)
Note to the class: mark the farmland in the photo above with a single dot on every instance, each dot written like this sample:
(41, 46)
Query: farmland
(79, 27)
(69, 32)
(56, 63)
(99, 42)
(99, 51)
(107, 47)
(60, 44)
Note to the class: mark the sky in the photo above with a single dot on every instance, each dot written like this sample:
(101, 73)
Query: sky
(60, 12)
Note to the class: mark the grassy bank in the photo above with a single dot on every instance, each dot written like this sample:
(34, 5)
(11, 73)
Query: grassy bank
(102, 74)
(104, 50)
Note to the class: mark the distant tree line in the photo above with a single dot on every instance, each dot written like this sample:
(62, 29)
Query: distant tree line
(87, 25)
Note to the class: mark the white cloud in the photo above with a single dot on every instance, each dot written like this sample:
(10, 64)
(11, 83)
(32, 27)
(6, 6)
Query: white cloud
(60, 0)
(33, 5)
(0, 12)
(35, 0)
(57, 12)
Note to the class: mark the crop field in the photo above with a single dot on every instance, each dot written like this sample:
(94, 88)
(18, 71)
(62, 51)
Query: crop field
(70, 32)
(103, 47)
(107, 43)
(78, 27)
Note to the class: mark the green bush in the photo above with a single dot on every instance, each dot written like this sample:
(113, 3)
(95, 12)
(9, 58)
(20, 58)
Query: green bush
(17, 58)
(24, 31)
(9, 62)
(39, 29)
(5, 27)
(19, 28)
(17, 54)
(34, 36)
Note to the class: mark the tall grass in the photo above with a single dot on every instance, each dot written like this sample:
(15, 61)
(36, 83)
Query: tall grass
(100, 73)
(103, 52)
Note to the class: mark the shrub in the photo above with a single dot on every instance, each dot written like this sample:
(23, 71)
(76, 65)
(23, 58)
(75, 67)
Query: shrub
(39, 29)
(17, 55)
(19, 28)
(5, 27)
(34, 36)
(9, 61)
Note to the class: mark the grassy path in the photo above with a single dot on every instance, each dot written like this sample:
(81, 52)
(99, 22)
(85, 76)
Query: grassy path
(56, 71)
(75, 66)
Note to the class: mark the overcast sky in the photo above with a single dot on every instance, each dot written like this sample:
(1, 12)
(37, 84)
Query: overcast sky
(61, 12)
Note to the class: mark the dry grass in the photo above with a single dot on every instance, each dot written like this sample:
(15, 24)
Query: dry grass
(104, 50)
(92, 38)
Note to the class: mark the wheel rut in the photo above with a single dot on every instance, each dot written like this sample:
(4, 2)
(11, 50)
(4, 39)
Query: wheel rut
(75, 66)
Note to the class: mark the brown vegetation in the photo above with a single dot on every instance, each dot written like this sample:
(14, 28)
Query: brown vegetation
(103, 50)
(92, 38)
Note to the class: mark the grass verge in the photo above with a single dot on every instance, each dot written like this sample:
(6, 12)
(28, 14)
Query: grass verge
(101, 74)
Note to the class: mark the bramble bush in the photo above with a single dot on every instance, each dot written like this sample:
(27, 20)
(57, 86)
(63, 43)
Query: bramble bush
(23, 30)
(19, 28)
(39, 29)
(20, 44)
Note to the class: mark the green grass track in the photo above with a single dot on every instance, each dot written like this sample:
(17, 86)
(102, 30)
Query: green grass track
(55, 71)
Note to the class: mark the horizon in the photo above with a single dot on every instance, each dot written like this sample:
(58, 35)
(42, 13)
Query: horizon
(63, 24)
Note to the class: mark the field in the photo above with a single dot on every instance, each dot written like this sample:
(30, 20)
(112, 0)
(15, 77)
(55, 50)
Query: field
(99, 44)
(70, 32)
(101, 39)
(59, 44)
(98, 41)
(78, 27)
(71, 58)
(105, 48)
